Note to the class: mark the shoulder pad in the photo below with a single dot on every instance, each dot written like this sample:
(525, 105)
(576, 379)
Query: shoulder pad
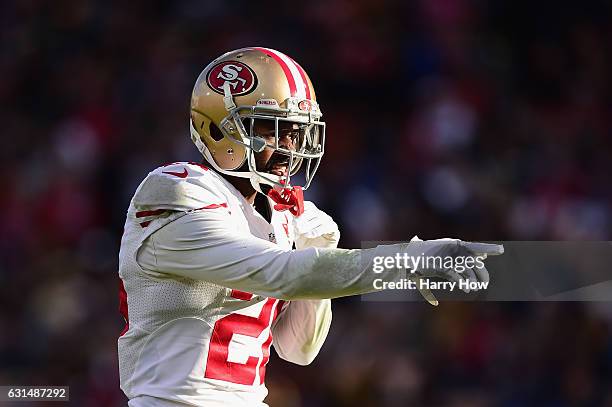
(179, 186)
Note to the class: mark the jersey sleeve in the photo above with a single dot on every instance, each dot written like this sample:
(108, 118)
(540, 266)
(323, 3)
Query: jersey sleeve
(200, 245)
(300, 330)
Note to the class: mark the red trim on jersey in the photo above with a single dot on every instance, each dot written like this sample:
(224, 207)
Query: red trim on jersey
(303, 75)
(241, 295)
(286, 225)
(142, 214)
(123, 307)
(284, 66)
(145, 224)
(279, 308)
(213, 206)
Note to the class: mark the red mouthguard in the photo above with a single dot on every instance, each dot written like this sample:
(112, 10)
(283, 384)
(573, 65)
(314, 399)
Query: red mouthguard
(291, 199)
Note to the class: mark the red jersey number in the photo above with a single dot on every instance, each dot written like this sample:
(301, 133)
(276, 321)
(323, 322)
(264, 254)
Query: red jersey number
(217, 364)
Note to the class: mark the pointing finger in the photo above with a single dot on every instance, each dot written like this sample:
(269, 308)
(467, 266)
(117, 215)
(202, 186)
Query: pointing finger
(484, 248)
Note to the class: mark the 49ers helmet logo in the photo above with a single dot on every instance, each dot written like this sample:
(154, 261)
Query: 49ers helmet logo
(241, 78)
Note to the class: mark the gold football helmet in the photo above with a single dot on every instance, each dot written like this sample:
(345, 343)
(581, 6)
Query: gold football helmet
(251, 84)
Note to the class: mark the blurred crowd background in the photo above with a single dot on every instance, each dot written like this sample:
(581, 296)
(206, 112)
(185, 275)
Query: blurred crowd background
(466, 118)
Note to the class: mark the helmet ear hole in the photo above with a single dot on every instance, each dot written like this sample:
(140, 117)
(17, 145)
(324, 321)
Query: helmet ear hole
(215, 132)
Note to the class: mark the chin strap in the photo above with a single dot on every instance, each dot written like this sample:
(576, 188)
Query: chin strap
(291, 199)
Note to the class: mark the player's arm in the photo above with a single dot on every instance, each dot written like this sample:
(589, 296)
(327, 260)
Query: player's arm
(201, 245)
(300, 330)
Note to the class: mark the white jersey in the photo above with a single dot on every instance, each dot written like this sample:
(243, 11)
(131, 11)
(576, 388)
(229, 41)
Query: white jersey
(199, 325)
(203, 277)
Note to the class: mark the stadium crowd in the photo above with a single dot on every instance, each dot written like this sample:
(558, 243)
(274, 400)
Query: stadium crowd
(450, 118)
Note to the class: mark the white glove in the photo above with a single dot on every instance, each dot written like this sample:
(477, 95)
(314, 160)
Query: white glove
(315, 228)
(453, 248)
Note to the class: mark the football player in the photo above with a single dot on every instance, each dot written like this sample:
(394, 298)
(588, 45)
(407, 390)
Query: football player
(223, 259)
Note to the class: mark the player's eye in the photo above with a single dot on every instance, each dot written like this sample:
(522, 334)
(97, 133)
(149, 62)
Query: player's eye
(294, 135)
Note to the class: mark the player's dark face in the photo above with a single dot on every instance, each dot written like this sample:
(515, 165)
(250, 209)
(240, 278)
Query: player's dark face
(269, 160)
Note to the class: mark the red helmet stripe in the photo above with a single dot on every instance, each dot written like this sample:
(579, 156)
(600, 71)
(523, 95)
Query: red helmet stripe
(283, 65)
(303, 75)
